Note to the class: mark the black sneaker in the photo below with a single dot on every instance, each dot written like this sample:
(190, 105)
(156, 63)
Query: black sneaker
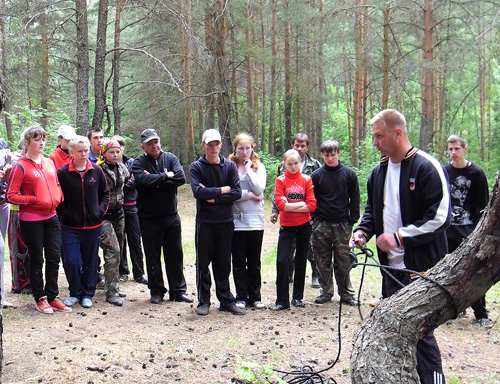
(298, 303)
(123, 277)
(322, 299)
(142, 280)
(352, 302)
(115, 300)
(203, 309)
(233, 309)
(156, 299)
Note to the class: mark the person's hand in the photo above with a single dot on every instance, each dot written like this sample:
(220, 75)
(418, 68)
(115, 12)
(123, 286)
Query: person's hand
(357, 240)
(248, 165)
(255, 197)
(225, 189)
(6, 170)
(170, 174)
(386, 242)
(273, 218)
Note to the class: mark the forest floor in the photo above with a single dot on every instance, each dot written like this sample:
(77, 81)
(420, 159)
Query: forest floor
(168, 343)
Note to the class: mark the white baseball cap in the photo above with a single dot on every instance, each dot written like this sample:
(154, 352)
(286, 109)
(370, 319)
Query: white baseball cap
(66, 131)
(211, 135)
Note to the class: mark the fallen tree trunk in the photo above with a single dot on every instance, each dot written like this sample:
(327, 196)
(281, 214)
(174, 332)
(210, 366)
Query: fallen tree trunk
(384, 348)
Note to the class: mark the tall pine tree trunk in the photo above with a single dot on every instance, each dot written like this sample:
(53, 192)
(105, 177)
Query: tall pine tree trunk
(288, 82)
(210, 79)
(274, 81)
(359, 121)
(427, 122)
(82, 71)
(249, 76)
(184, 37)
(263, 106)
(386, 59)
(44, 90)
(100, 66)
(117, 113)
(5, 82)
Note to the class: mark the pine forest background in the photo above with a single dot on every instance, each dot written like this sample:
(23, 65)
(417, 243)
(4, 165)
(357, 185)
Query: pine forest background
(271, 68)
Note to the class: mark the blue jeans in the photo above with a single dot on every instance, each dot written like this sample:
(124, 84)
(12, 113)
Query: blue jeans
(80, 247)
(43, 236)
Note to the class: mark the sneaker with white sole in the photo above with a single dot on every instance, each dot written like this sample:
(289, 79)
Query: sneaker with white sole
(485, 323)
(241, 304)
(42, 305)
(58, 305)
(70, 301)
(86, 302)
(258, 305)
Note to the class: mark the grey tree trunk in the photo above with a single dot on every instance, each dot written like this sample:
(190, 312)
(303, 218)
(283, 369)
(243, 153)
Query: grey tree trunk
(385, 345)
(82, 77)
(100, 66)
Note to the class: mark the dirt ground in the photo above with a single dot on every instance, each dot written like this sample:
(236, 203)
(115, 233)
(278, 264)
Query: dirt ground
(168, 343)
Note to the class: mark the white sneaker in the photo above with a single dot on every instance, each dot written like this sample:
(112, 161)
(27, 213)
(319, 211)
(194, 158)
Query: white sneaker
(258, 305)
(241, 304)
(6, 304)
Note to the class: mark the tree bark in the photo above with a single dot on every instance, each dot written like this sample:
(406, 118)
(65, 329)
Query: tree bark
(386, 60)
(359, 121)
(210, 79)
(117, 113)
(385, 344)
(100, 65)
(288, 82)
(482, 86)
(82, 76)
(4, 100)
(44, 89)
(224, 99)
(249, 76)
(185, 31)
(274, 81)
(263, 107)
(427, 128)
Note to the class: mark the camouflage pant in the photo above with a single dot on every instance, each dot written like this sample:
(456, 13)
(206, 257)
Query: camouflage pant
(111, 238)
(330, 243)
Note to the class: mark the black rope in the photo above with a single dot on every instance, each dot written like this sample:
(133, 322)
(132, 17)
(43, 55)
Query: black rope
(306, 374)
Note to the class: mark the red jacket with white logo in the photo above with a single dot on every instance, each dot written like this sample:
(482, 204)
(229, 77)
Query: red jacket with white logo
(34, 187)
(292, 188)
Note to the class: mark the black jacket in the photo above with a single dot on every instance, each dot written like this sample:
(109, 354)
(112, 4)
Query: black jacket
(86, 196)
(337, 194)
(206, 182)
(156, 193)
(425, 209)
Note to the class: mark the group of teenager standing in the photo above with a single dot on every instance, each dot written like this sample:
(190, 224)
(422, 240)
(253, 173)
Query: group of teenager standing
(412, 200)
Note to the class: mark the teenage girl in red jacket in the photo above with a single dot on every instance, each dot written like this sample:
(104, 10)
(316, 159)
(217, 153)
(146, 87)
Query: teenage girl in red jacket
(34, 187)
(295, 200)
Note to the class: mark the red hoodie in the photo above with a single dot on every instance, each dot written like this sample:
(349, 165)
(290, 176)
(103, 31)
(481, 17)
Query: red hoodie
(292, 188)
(33, 187)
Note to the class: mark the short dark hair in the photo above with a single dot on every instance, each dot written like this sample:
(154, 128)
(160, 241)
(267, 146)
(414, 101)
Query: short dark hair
(330, 146)
(300, 137)
(456, 139)
(93, 130)
(391, 118)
